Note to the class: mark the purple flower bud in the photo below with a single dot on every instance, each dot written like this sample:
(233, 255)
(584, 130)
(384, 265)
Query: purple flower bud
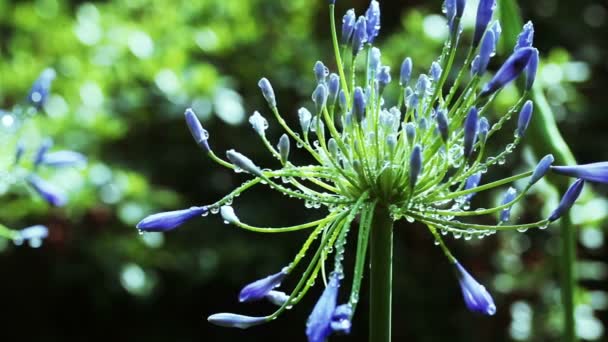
(348, 25)
(509, 196)
(541, 169)
(443, 125)
(320, 71)
(596, 172)
(372, 16)
(243, 163)
(318, 326)
(39, 92)
(277, 298)
(406, 72)
(260, 288)
(470, 131)
(384, 78)
(526, 37)
(63, 159)
(46, 144)
(531, 70)
(497, 30)
(476, 297)
(484, 128)
(525, 115)
(268, 92)
(230, 320)
(453, 9)
(571, 195)
(472, 182)
(319, 97)
(199, 134)
(305, 117)
(359, 35)
(341, 319)
(49, 192)
(509, 71)
(359, 104)
(283, 148)
(410, 132)
(486, 50)
(169, 220)
(484, 15)
(333, 87)
(415, 165)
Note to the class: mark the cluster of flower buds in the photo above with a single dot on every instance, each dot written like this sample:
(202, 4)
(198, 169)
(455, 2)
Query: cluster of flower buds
(421, 159)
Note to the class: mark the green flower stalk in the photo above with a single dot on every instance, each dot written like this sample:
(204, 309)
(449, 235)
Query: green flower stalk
(419, 159)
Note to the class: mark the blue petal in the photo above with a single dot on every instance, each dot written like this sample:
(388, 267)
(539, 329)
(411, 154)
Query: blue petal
(318, 327)
(509, 71)
(230, 320)
(596, 172)
(476, 297)
(260, 288)
(169, 220)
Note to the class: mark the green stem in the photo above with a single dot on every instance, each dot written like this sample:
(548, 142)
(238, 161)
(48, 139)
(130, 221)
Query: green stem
(381, 276)
(568, 242)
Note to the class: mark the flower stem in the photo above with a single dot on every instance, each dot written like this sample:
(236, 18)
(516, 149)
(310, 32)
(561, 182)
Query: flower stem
(568, 241)
(381, 279)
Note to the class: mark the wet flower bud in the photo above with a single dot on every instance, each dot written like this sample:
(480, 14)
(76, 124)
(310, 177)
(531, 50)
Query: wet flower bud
(476, 297)
(509, 71)
(484, 128)
(359, 104)
(320, 71)
(509, 196)
(228, 215)
(169, 220)
(359, 35)
(410, 132)
(435, 72)
(526, 37)
(497, 30)
(341, 319)
(348, 25)
(541, 169)
(230, 320)
(472, 182)
(571, 195)
(422, 85)
(259, 123)
(243, 163)
(342, 102)
(484, 15)
(415, 165)
(319, 97)
(525, 115)
(374, 61)
(333, 87)
(384, 78)
(406, 72)
(332, 147)
(283, 147)
(443, 125)
(531, 70)
(199, 134)
(372, 16)
(305, 116)
(391, 142)
(268, 92)
(470, 131)
(486, 50)
(318, 326)
(277, 298)
(595, 172)
(260, 288)
(49, 192)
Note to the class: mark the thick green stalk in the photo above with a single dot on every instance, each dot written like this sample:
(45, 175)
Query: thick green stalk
(381, 279)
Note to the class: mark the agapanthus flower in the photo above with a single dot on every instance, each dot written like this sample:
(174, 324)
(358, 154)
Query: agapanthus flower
(48, 191)
(378, 160)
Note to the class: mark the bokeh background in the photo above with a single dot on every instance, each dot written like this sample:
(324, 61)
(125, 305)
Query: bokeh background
(127, 69)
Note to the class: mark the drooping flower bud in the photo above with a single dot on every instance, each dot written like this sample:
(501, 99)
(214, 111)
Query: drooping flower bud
(348, 25)
(268, 92)
(509, 196)
(509, 71)
(169, 220)
(571, 195)
(227, 213)
(305, 116)
(259, 123)
(333, 87)
(243, 163)
(230, 320)
(341, 319)
(359, 104)
(415, 165)
(260, 288)
(277, 298)
(476, 297)
(470, 131)
(318, 326)
(541, 169)
(531, 70)
(49, 192)
(199, 134)
(359, 35)
(372, 16)
(595, 172)
(525, 115)
(319, 97)
(41, 88)
(526, 37)
(484, 15)
(321, 72)
(283, 148)
(384, 78)
(406, 72)
(443, 125)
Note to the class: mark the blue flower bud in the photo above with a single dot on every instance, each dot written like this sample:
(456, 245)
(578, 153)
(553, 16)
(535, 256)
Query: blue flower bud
(342, 102)
(531, 70)
(497, 30)
(486, 50)
(199, 134)
(472, 182)
(410, 132)
(46, 144)
(541, 169)
(391, 142)
(470, 131)
(243, 163)
(406, 72)
(268, 92)
(333, 87)
(509, 196)
(230, 320)
(476, 297)
(318, 326)
(41, 88)
(348, 25)
(384, 78)
(484, 15)
(321, 72)
(283, 148)
(526, 37)
(571, 195)
(259, 123)
(484, 128)
(453, 9)
(423, 124)
(525, 115)
(319, 97)
(374, 61)
(359, 104)
(415, 165)
(64, 159)
(228, 215)
(359, 35)
(372, 16)
(37, 232)
(436, 71)
(305, 117)
(277, 298)
(165, 221)
(443, 125)
(260, 288)
(412, 102)
(509, 71)
(49, 192)
(341, 319)
(422, 85)
(596, 172)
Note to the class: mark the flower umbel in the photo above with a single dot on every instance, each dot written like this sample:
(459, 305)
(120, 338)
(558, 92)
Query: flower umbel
(420, 158)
